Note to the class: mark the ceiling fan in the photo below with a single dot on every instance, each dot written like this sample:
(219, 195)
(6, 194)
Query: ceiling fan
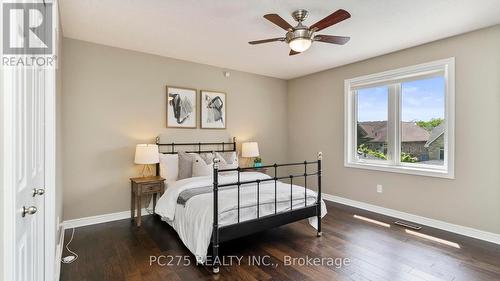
(300, 37)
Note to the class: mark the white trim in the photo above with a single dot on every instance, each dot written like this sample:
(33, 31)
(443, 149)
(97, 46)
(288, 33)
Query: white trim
(59, 251)
(403, 169)
(400, 73)
(458, 229)
(50, 175)
(8, 210)
(99, 219)
(390, 78)
(52, 226)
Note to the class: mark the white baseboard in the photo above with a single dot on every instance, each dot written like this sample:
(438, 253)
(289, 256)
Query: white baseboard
(458, 229)
(99, 219)
(59, 251)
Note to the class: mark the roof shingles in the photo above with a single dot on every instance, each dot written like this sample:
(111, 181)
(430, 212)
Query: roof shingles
(410, 131)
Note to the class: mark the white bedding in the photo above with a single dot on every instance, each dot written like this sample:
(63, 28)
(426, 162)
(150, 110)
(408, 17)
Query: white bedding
(193, 221)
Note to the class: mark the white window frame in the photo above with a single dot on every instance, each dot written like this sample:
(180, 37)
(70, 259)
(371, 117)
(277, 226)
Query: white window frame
(392, 79)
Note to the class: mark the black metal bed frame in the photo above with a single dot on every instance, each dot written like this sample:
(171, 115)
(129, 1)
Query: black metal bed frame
(242, 228)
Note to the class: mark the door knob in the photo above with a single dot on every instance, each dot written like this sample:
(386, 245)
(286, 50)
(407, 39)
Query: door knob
(30, 210)
(39, 191)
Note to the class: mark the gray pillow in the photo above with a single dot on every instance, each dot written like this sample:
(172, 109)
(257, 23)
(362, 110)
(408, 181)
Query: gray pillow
(185, 165)
(207, 157)
(228, 160)
(186, 161)
(202, 165)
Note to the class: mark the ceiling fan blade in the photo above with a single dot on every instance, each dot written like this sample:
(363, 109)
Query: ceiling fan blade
(332, 19)
(292, 53)
(277, 20)
(340, 40)
(266, 40)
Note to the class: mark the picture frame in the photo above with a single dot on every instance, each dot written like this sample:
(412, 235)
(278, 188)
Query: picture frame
(182, 107)
(213, 109)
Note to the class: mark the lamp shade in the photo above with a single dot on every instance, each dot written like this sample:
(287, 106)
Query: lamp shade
(146, 154)
(249, 149)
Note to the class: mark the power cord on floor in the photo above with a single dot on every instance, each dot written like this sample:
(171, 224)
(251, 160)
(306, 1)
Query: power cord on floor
(70, 258)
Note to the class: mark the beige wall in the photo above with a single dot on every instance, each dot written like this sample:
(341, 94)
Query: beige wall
(316, 106)
(115, 99)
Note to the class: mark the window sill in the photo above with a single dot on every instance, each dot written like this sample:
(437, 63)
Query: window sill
(419, 171)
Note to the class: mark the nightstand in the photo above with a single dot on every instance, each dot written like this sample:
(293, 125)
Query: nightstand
(260, 170)
(144, 186)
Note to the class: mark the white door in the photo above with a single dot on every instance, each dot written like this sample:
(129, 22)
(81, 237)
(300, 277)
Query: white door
(27, 167)
(26, 93)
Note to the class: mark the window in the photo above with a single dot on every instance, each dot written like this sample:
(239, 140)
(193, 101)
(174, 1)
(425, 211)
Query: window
(402, 120)
(372, 118)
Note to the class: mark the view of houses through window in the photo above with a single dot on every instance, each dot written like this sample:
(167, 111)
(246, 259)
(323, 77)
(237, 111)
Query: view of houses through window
(373, 104)
(421, 122)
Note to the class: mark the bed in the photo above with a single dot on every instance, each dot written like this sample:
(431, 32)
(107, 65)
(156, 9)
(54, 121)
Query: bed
(230, 203)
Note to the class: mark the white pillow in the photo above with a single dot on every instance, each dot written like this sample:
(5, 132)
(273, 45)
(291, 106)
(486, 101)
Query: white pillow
(203, 165)
(169, 167)
(228, 160)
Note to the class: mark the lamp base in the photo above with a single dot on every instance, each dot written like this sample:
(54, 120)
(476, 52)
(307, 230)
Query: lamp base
(146, 171)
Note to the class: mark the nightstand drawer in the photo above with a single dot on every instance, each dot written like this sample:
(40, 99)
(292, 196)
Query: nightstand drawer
(153, 187)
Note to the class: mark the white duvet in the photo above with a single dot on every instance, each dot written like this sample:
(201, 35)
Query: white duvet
(193, 221)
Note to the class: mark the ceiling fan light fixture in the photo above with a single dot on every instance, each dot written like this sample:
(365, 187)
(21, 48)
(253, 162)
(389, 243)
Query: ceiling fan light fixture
(300, 44)
(300, 37)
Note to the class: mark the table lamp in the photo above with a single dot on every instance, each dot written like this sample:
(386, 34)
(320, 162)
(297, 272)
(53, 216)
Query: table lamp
(146, 154)
(249, 150)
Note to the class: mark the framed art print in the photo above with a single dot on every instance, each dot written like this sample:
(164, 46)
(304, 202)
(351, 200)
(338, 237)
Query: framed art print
(213, 110)
(181, 107)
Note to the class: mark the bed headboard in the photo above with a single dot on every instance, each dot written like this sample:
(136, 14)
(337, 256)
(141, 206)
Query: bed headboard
(194, 147)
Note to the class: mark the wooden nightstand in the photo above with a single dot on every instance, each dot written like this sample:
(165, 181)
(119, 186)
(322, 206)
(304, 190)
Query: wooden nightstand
(260, 170)
(144, 186)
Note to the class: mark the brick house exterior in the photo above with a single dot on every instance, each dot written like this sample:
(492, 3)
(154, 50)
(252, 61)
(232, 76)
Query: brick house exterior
(416, 140)
(435, 144)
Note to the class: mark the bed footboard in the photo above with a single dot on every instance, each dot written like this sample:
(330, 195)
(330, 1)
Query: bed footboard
(239, 229)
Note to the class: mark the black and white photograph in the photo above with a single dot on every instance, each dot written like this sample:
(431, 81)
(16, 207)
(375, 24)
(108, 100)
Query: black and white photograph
(213, 110)
(181, 107)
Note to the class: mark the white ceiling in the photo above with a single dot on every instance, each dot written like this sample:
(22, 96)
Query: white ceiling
(216, 32)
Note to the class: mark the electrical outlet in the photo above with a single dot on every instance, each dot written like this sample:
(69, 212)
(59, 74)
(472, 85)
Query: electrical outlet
(379, 188)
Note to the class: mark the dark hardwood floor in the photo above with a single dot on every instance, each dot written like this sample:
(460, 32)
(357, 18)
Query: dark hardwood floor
(121, 251)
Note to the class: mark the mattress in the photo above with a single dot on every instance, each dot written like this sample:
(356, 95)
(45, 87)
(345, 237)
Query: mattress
(193, 219)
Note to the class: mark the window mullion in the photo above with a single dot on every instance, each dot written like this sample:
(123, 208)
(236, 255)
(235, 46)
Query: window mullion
(392, 125)
(397, 123)
(354, 109)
